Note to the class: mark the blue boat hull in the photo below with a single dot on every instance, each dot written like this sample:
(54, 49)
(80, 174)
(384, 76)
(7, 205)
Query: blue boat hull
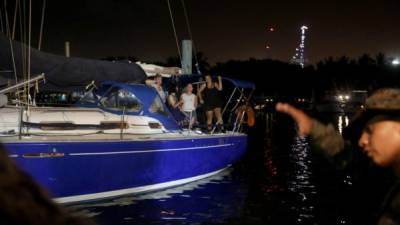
(79, 171)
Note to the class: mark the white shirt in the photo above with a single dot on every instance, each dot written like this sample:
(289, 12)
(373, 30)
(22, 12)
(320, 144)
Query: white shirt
(188, 102)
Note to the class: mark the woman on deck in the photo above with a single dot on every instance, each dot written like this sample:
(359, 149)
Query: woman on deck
(210, 97)
(173, 102)
(189, 104)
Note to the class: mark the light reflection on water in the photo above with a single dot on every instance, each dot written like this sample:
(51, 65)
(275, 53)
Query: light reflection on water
(343, 122)
(300, 181)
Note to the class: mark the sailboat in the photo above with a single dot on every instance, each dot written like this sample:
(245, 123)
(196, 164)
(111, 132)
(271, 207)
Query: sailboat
(120, 138)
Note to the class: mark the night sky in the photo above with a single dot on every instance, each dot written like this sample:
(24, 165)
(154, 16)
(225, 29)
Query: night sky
(222, 29)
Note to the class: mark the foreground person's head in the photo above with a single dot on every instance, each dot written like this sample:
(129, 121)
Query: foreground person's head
(377, 127)
(22, 201)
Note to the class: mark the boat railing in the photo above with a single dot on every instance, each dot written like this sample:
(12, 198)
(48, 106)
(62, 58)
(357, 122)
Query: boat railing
(243, 98)
(29, 82)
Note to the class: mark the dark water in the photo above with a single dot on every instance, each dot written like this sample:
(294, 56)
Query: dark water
(280, 180)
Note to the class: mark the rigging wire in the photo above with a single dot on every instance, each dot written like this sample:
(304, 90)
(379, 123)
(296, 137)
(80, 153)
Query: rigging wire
(10, 40)
(1, 22)
(24, 49)
(41, 26)
(174, 29)
(15, 19)
(191, 36)
(6, 30)
(22, 12)
(29, 46)
(6, 19)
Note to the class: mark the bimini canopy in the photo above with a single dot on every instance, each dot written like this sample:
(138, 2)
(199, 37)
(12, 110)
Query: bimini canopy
(185, 79)
(241, 83)
(64, 73)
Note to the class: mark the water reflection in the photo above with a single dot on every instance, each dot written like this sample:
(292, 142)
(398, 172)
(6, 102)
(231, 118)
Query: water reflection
(343, 122)
(214, 199)
(300, 182)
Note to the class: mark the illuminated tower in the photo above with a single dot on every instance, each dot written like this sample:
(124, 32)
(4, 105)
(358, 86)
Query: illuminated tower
(299, 57)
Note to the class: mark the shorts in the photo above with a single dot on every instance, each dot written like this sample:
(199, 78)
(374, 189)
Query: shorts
(187, 114)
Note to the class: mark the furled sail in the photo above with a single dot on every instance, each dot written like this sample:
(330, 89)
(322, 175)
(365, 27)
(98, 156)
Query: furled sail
(64, 73)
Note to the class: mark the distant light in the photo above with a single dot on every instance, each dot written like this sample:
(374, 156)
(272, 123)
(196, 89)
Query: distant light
(347, 97)
(267, 47)
(304, 27)
(396, 62)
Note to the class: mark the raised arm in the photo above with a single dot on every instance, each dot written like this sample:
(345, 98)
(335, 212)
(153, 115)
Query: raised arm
(199, 93)
(219, 84)
(304, 122)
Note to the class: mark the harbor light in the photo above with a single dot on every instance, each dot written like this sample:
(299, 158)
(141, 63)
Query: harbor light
(343, 97)
(395, 62)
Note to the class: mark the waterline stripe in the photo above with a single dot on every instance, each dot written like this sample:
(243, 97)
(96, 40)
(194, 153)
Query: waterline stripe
(148, 151)
(173, 218)
(141, 189)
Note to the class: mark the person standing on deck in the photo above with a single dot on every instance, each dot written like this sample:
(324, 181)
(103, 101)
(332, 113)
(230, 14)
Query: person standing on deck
(188, 102)
(210, 97)
(157, 84)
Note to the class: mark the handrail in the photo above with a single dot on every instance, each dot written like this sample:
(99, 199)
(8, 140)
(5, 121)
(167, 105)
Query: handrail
(22, 84)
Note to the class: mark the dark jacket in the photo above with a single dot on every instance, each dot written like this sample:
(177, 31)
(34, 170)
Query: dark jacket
(330, 143)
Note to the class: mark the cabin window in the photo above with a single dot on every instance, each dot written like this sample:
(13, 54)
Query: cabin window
(86, 98)
(157, 106)
(120, 99)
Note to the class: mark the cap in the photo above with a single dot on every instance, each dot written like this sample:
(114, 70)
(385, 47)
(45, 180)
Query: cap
(384, 104)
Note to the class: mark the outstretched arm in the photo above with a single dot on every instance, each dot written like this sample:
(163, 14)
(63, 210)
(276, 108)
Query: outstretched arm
(325, 137)
(304, 122)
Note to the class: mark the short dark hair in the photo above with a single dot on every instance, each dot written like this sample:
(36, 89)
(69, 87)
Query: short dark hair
(172, 87)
